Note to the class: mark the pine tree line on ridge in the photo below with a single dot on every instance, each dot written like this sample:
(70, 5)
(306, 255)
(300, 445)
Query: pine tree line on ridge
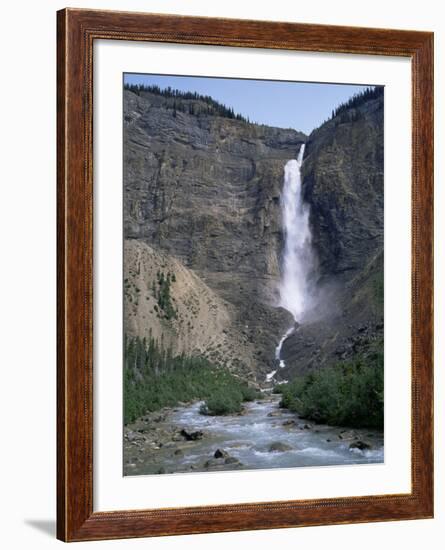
(186, 102)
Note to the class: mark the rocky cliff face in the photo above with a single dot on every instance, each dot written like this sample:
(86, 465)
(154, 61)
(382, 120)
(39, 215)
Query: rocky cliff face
(205, 190)
(201, 196)
(343, 184)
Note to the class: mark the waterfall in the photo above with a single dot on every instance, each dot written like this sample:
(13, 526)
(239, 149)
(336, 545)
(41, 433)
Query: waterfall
(294, 287)
(280, 344)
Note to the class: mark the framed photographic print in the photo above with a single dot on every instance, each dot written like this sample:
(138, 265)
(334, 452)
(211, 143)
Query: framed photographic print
(244, 275)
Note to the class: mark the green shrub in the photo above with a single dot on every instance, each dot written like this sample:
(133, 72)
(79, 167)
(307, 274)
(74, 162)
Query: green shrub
(161, 291)
(223, 402)
(229, 397)
(347, 394)
(249, 394)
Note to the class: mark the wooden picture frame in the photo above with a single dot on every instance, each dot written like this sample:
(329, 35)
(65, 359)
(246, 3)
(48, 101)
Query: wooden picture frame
(77, 31)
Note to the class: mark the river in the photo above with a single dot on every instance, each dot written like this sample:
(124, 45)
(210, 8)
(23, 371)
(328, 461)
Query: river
(247, 439)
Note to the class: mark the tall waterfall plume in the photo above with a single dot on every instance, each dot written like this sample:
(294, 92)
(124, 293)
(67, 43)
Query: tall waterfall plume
(297, 256)
(295, 295)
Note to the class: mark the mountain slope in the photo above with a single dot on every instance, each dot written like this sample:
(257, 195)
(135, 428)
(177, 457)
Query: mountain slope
(187, 318)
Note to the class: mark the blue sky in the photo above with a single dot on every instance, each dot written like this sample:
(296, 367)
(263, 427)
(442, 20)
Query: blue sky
(300, 105)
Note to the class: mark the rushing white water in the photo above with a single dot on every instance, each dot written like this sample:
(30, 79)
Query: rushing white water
(297, 257)
(248, 437)
(294, 288)
(280, 344)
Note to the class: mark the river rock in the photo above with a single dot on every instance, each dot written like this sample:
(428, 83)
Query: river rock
(275, 413)
(220, 453)
(192, 436)
(348, 435)
(134, 436)
(232, 460)
(169, 445)
(279, 447)
(288, 423)
(305, 427)
(360, 445)
(241, 444)
(213, 463)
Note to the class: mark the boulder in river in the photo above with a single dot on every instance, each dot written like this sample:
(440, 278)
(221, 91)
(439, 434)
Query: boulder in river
(220, 453)
(213, 463)
(348, 434)
(192, 436)
(279, 447)
(289, 422)
(360, 445)
(232, 460)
